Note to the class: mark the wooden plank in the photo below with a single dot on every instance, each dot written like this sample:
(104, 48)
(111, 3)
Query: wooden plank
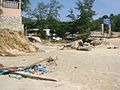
(34, 77)
(11, 68)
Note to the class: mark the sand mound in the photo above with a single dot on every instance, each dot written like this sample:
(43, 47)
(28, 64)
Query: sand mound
(13, 43)
(111, 42)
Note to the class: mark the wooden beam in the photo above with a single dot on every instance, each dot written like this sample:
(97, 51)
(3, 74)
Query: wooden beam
(34, 77)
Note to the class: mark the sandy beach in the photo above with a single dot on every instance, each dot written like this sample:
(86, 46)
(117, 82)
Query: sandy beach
(97, 69)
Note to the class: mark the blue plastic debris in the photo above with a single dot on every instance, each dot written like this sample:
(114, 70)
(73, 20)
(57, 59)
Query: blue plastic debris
(39, 67)
(3, 71)
(42, 69)
(15, 76)
(27, 70)
(36, 69)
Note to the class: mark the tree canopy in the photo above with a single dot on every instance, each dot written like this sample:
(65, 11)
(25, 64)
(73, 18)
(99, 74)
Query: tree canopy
(25, 4)
(84, 19)
(46, 15)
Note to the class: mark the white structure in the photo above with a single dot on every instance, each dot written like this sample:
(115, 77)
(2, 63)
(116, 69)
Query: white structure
(47, 31)
(108, 23)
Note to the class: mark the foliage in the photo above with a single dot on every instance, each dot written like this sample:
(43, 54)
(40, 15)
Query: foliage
(41, 34)
(115, 22)
(82, 36)
(25, 4)
(83, 22)
(71, 15)
(40, 12)
(46, 15)
(28, 23)
(86, 14)
(61, 29)
(53, 9)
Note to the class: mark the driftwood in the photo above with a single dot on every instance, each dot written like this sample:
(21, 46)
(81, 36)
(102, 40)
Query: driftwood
(1, 65)
(31, 65)
(84, 48)
(14, 69)
(26, 67)
(11, 68)
(79, 45)
(51, 61)
(34, 77)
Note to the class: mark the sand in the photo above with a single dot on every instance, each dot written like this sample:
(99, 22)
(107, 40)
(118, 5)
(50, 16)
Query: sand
(76, 70)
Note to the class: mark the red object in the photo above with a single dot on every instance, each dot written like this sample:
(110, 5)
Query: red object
(10, 68)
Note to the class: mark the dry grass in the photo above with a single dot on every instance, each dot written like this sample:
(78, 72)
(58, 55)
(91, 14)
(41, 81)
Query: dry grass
(14, 41)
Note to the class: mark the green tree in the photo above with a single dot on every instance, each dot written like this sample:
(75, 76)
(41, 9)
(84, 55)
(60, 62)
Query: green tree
(61, 29)
(25, 4)
(85, 17)
(40, 12)
(71, 15)
(48, 12)
(28, 23)
(83, 22)
(115, 22)
(46, 15)
(53, 9)
(96, 24)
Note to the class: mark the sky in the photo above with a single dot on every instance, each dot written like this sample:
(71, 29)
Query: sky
(101, 7)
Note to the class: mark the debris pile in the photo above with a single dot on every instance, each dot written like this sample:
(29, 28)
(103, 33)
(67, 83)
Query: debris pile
(32, 71)
(86, 45)
(14, 43)
(78, 45)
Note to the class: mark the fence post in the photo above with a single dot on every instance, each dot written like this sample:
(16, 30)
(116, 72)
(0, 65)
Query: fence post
(19, 4)
(110, 31)
(1, 4)
(102, 25)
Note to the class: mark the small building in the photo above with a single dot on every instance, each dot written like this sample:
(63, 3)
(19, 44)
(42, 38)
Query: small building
(10, 16)
(47, 31)
(32, 32)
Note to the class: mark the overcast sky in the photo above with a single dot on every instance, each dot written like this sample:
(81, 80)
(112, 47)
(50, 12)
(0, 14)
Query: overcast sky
(102, 7)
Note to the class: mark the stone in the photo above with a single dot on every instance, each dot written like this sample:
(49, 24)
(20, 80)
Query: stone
(11, 23)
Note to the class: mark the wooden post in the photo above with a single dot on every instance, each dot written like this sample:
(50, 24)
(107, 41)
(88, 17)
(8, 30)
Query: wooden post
(102, 26)
(19, 4)
(110, 30)
(1, 1)
(20, 9)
